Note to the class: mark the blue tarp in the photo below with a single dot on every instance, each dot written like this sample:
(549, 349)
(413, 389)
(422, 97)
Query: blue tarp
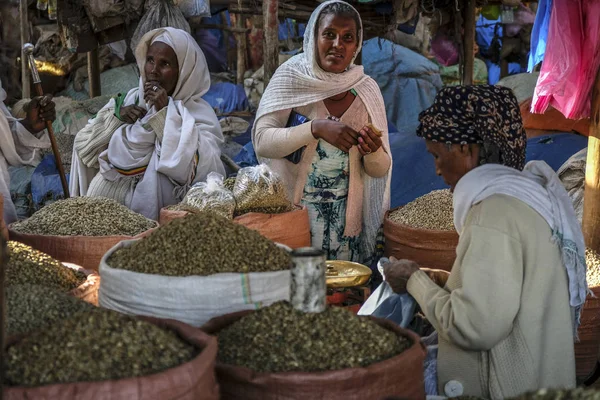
(45, 183)
(413, 173)
(226, 97)
(408, 81)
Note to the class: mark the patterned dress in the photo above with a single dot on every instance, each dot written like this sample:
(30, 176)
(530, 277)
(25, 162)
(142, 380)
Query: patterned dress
(326, 193)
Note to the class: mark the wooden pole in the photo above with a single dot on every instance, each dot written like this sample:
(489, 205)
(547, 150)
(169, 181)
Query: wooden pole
(271, 40)
(226, 36)
(3, 311)
(591, 200)
(242, 48)
(23, 15)
(94, 73)
(469, 43)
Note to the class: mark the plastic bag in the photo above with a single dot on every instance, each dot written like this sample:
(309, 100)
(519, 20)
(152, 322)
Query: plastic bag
(159, 14)
(194, 8)
(384, 303)
(259, 189)
(444, 49)
(211, 196)
(572, 60)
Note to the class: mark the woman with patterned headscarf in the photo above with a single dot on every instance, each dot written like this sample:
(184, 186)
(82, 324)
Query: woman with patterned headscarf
(507, 317)
(147, 148)
(321, 125)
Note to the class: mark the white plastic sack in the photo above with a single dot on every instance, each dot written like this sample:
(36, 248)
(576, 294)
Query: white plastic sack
(192, 299)
(194, 8)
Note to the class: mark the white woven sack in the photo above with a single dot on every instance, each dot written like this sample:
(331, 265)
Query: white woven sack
(192, 299)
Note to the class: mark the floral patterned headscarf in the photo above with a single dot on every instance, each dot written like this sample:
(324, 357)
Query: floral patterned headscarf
(481, 114)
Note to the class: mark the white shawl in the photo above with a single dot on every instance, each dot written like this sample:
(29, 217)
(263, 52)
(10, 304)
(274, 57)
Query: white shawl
(539, 187)
(301, 81)
(186, 150)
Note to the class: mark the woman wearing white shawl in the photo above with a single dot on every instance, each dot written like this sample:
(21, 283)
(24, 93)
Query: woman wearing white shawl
(335, 163)
(507, 317)
(151, 146)
(21, 142)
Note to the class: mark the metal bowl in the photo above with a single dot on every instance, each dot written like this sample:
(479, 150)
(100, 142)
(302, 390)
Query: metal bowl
(345, 274)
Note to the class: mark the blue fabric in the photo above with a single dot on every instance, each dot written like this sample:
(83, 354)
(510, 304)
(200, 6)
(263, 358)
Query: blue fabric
(408, 81)
(430, 364)
(246, 157)
(539, 34)
(45, 182)
(216, 56)
(555, 149)
(226, 97)
(413, 172)
(484, 33)
(494, 71)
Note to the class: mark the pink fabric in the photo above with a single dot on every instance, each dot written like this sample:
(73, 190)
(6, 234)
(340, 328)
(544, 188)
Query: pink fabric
(572, 59)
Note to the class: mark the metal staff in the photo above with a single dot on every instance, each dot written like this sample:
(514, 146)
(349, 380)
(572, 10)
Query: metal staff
(37, 82)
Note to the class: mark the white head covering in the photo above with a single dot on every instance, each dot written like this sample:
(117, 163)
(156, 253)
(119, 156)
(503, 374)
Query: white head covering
(301, 81)
(194, 76)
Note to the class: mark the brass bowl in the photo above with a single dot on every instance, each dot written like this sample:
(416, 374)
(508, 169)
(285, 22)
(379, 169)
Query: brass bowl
(344, 274)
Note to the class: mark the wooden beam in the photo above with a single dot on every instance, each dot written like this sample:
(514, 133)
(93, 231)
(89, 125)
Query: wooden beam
(469, 43)
(24, 19)
(242, 48)
(591, 201)
(271, 39)
(94, 73)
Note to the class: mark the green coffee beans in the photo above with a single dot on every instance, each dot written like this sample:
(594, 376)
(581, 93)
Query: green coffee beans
(279, 338)
(201, 244)
(34, 307)
(29, 266)
(433, 211)
(85, 216)
(94, 346)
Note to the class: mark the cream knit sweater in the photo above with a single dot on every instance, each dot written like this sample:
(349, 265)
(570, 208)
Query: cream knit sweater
(504, 321)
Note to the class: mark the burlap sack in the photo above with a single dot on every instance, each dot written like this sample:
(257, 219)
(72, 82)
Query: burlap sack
(85, 251)
(291, 228)
(552, 120)
(194, 380)
(400, 376)
(88, 290)
(428, 248)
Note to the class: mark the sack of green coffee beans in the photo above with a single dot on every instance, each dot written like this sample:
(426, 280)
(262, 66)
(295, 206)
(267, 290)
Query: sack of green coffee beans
(80, 230)
(100, 354)
(27, 266)
(194, 269)
(278, 352)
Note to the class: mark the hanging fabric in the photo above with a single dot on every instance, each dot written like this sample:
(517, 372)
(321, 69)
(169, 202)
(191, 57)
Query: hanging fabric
(572, 59)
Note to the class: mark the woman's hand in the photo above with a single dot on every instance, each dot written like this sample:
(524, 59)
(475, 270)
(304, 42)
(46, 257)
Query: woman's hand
(335, 133)
(39, 110)
(155, 95)
(398, 272)
(368, 141)
(131, 114)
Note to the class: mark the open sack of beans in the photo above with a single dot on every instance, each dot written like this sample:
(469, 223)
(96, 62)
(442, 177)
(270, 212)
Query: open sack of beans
(27, 266)
(194, 269)
(80, 230)
(423, 231)
(278, 353)
(102, 354)
(261, 204)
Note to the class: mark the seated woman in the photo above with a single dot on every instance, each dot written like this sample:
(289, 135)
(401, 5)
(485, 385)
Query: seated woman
(334, 163)
(508, 314)
(145, 149)
(21, 142)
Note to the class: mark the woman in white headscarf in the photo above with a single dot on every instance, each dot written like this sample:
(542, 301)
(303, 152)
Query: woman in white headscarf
(21, 142)
(313, 128)
(152, 144)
